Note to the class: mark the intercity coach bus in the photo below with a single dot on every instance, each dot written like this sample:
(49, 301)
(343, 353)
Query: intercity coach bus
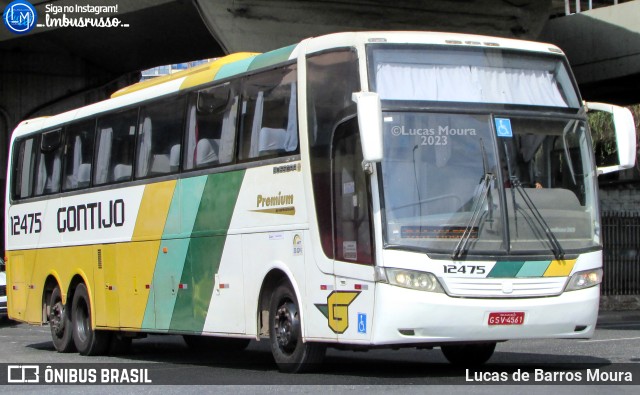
(356, 190)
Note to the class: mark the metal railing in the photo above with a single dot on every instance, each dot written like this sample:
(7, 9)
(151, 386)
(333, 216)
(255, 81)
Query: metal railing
(621, 253)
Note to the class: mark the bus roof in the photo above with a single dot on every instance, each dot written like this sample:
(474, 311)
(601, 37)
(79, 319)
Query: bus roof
(243, 62)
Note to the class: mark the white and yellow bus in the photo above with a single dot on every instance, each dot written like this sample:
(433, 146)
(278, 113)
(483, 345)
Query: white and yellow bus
(378, 189)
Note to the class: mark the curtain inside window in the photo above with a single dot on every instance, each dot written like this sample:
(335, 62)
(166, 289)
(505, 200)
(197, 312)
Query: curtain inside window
(145, 148)
(472, 84)
(256, 126)
(227, 138)
(291, 139)
(104, 156)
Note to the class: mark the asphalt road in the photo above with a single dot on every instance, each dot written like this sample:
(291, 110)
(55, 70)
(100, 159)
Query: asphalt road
(615, 347)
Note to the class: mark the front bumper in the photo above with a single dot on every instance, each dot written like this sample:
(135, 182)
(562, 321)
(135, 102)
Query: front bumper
(407, 316)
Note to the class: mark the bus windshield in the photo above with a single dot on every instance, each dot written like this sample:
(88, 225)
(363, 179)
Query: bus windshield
(448, 178)
(481, 182)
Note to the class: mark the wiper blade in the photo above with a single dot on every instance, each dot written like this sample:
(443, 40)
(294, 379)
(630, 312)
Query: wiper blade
(460, 248)
(557, 249)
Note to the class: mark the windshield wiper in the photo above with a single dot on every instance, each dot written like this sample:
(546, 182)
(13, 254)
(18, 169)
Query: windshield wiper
(486, 180)
(556, 248)
(475, 217)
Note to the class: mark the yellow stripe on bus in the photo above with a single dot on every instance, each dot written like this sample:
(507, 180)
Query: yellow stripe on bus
(136, 264)
(208, 73)
(153, 211)
(560, 268)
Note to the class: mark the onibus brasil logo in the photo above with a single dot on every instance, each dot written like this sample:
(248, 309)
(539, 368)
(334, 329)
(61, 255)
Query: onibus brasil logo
(19, 17)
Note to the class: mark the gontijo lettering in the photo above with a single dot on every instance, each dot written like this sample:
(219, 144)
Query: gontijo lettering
(91, 216)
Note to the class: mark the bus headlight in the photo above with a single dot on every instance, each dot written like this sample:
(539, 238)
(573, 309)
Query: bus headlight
(584, 279)
(413, 279)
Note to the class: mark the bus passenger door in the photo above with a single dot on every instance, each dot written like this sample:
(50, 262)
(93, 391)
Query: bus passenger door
(106, 310)
(352, 307)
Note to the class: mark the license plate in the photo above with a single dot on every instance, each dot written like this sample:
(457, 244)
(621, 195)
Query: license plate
(511, 318)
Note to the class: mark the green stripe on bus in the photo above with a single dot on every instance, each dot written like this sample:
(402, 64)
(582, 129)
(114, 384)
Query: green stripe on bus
(184, 207)
(217, 203)
(533, 269)
(216, 208)
(231, 69)
(166, 283)
(506, 269)
(271, 58)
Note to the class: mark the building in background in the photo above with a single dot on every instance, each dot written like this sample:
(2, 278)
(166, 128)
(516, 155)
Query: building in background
(170, 69)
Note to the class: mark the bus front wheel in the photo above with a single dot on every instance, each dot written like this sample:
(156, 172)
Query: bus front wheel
(86, 340)
(60, 323)
(469, 354)
(291, 354)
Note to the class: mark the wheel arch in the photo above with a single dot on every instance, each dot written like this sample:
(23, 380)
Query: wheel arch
(50, 283)
(269, 283)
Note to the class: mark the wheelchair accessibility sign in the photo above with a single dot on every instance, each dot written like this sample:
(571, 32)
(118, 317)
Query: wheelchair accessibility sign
(503, 127)
(362, 323)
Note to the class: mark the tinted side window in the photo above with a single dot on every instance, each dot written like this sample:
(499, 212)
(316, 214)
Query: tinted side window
(331, 80)
(78, 155)
(47, 177)
(211, 127)
(159, 137)
(116, 135)
(23, 167)
(269, 125)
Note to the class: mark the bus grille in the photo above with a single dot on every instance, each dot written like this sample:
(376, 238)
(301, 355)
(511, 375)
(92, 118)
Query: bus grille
(504, 287)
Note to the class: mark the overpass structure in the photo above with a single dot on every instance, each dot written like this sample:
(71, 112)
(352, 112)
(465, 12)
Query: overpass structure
(603, 46)
(54, 67)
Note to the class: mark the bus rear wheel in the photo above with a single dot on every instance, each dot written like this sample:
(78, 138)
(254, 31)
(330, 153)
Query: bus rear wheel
(60, 323)
(468, 354)
(291, 354)
(86, 340)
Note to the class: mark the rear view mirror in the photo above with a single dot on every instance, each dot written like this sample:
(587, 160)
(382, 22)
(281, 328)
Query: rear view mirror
(370, 123)
(213, 100)
(51, 140)
(614, 134)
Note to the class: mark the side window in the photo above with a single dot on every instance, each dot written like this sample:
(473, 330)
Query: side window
(47, 177)
(116, 135)
(269, 125)
(331, 80)
(78, 155)
(23, 167)
(351, 197)
(211, 127)
(159, 137)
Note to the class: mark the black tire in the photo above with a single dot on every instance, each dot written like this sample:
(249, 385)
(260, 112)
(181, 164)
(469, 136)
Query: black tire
(60, 323)
(291, 354)
(210, 343)
(468, 355)
(87, 340)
